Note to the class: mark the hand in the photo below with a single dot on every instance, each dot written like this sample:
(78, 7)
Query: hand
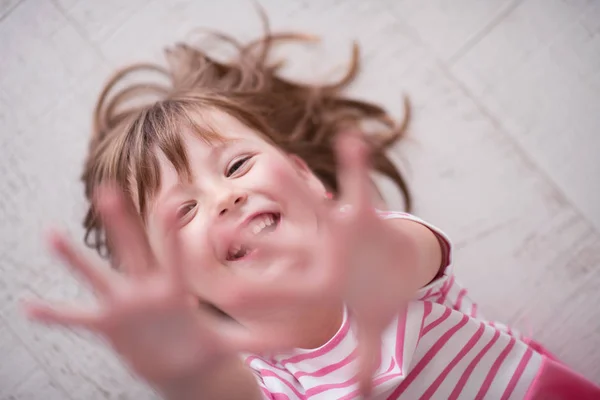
(146, 314)
(357, 256)
(376, 259)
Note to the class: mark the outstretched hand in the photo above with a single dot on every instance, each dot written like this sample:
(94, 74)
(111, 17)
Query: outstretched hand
(146, 314)
(357, 256)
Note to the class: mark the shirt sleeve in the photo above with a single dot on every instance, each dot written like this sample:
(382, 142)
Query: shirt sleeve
(434, 291)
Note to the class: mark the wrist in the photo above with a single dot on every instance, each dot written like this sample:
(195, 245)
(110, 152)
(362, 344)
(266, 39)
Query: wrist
(224, 378)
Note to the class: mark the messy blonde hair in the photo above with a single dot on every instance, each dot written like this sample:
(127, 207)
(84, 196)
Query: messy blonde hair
(132, 122)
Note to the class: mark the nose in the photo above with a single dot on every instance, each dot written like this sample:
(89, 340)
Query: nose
(230, 202)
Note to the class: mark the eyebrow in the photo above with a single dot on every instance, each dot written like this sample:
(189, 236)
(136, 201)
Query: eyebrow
(218, 149)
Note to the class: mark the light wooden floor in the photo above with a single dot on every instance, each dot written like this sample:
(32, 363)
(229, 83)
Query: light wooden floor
(503, 153)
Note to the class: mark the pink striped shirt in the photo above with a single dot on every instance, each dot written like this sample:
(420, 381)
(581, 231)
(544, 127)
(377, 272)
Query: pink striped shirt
(440, 348)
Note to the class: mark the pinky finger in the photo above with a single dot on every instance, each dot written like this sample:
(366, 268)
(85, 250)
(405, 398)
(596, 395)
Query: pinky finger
(63, 315)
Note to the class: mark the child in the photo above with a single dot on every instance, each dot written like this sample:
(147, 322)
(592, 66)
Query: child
(249, 268)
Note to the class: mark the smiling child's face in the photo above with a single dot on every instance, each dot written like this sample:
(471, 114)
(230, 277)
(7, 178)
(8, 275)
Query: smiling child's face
(238, 184)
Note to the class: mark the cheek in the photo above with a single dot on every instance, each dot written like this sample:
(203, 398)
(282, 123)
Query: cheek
(279, 173)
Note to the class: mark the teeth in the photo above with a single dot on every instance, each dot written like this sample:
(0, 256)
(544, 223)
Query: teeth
(261, 223)
(256, 227)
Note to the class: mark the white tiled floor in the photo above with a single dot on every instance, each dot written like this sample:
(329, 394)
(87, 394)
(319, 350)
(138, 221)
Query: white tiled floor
(502, 155)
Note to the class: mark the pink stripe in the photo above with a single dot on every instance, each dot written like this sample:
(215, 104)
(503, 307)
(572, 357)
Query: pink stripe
(469, 370)
(279, 396)
(268, 394)
(474, 310)
(427, 310)
(446, 289)
(329, 368)
(427, 358)
(438, 321)
(459, 299)
(330, 386)
(400, 339)
(426, 294)
(438, 381)
(517, 375)
(431, 296)
(323, 350)
(270, 364)
(494, 370)
(376, 382)
(269, 373)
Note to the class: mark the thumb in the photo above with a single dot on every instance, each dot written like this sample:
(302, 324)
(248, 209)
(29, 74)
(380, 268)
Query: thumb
(240, 339)
(369, 358)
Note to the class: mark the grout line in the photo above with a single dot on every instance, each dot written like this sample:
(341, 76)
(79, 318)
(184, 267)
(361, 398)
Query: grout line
(9, 10)
(474, 39)
(42, 365)
(519, 148)
(78, 29)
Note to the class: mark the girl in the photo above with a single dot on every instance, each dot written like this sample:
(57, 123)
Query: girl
(250, 269)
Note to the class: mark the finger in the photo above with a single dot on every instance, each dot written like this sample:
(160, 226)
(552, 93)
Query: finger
(125, 231)
(353, 170)
(235, 290)
(369, 358)
(175, 264)
(283, 268)
(99, 279)
(62, 315)
(275, 248)
(241, 339)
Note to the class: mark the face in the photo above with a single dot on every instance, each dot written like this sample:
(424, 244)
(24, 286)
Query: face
(237, 186)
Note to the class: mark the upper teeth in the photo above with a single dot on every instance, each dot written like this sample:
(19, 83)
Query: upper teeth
(255, 226)
(261, 222)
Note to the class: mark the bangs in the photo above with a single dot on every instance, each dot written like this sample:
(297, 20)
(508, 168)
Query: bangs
(160, 129)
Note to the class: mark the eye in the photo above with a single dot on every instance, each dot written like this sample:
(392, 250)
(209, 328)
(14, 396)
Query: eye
(186, 209)
(236, 165)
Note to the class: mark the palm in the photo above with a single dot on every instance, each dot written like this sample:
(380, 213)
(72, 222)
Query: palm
(146, 314)
(355, 258)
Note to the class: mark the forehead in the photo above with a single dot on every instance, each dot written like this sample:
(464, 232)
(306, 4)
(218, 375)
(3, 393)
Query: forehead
(227, 129)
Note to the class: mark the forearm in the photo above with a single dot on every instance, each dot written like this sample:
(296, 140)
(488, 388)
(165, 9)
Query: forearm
(228, 380)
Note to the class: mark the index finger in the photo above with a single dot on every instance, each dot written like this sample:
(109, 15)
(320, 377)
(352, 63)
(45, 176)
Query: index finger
(125, 231)
(174, 260)
(353, 170)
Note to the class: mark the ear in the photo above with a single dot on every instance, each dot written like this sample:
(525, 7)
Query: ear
(306, 173)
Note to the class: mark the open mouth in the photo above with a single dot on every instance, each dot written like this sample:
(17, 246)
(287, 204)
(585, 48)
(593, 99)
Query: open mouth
(261, 224)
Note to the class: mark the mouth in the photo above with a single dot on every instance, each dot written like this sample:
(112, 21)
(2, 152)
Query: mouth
(259, 225)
